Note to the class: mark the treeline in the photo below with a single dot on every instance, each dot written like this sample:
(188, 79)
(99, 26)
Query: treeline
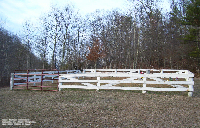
(14, 55)
(143, 37)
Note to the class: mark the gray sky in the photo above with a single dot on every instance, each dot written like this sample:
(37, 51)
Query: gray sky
(14, 13)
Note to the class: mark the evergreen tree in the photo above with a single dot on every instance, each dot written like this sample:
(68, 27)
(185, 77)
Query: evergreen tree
(192, 20)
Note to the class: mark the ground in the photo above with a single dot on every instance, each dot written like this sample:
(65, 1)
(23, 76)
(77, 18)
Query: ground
(107, 108)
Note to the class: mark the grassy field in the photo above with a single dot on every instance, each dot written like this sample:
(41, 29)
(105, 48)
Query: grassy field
(107, 108)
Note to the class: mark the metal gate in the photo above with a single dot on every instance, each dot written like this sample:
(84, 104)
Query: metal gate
(35, 79)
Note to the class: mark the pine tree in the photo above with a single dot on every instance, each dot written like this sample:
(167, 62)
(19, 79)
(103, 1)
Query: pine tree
(192, 20)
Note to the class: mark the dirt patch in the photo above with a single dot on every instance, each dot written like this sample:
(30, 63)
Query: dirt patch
(106, 108)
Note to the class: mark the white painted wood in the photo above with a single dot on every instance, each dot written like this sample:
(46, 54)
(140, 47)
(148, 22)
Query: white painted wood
(98, 81)
(34, 77)
(11, 81)
(124, 88)
(60, 86)
(167, 75)
(191, 89)
(131, 76)
(147, 77)
(144, 85)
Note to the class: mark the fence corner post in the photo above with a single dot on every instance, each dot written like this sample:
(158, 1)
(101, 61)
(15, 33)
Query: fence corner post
(59, 89)
(59, 83)
(190, 89)
(190, 94)
(11, 81)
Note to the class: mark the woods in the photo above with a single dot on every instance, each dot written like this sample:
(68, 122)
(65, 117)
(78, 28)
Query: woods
(143, 36)
(14, 55)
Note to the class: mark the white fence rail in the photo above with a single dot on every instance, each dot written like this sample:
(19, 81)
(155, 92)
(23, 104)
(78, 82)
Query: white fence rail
(20, 79)
(130, 79)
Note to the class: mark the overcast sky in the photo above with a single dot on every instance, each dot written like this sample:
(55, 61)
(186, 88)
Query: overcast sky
(13, 13)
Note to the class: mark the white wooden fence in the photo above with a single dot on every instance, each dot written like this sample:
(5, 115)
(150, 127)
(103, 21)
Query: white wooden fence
(24, 79)
(130, 79)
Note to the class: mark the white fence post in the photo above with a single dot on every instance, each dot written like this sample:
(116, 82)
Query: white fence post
(98, 83)
(191, 89)
(60, 84)
(144, 85)
(11, 81)
(34, 79)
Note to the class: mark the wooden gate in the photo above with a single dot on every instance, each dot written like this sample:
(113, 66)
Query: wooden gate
(35, 79)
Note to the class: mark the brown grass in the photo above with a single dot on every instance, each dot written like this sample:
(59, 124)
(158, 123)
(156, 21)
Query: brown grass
(107, 108)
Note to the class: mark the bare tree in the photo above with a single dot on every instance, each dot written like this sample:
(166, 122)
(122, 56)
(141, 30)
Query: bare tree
(27, 40)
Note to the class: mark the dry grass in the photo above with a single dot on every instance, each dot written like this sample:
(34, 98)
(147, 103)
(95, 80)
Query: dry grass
(107, 108)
